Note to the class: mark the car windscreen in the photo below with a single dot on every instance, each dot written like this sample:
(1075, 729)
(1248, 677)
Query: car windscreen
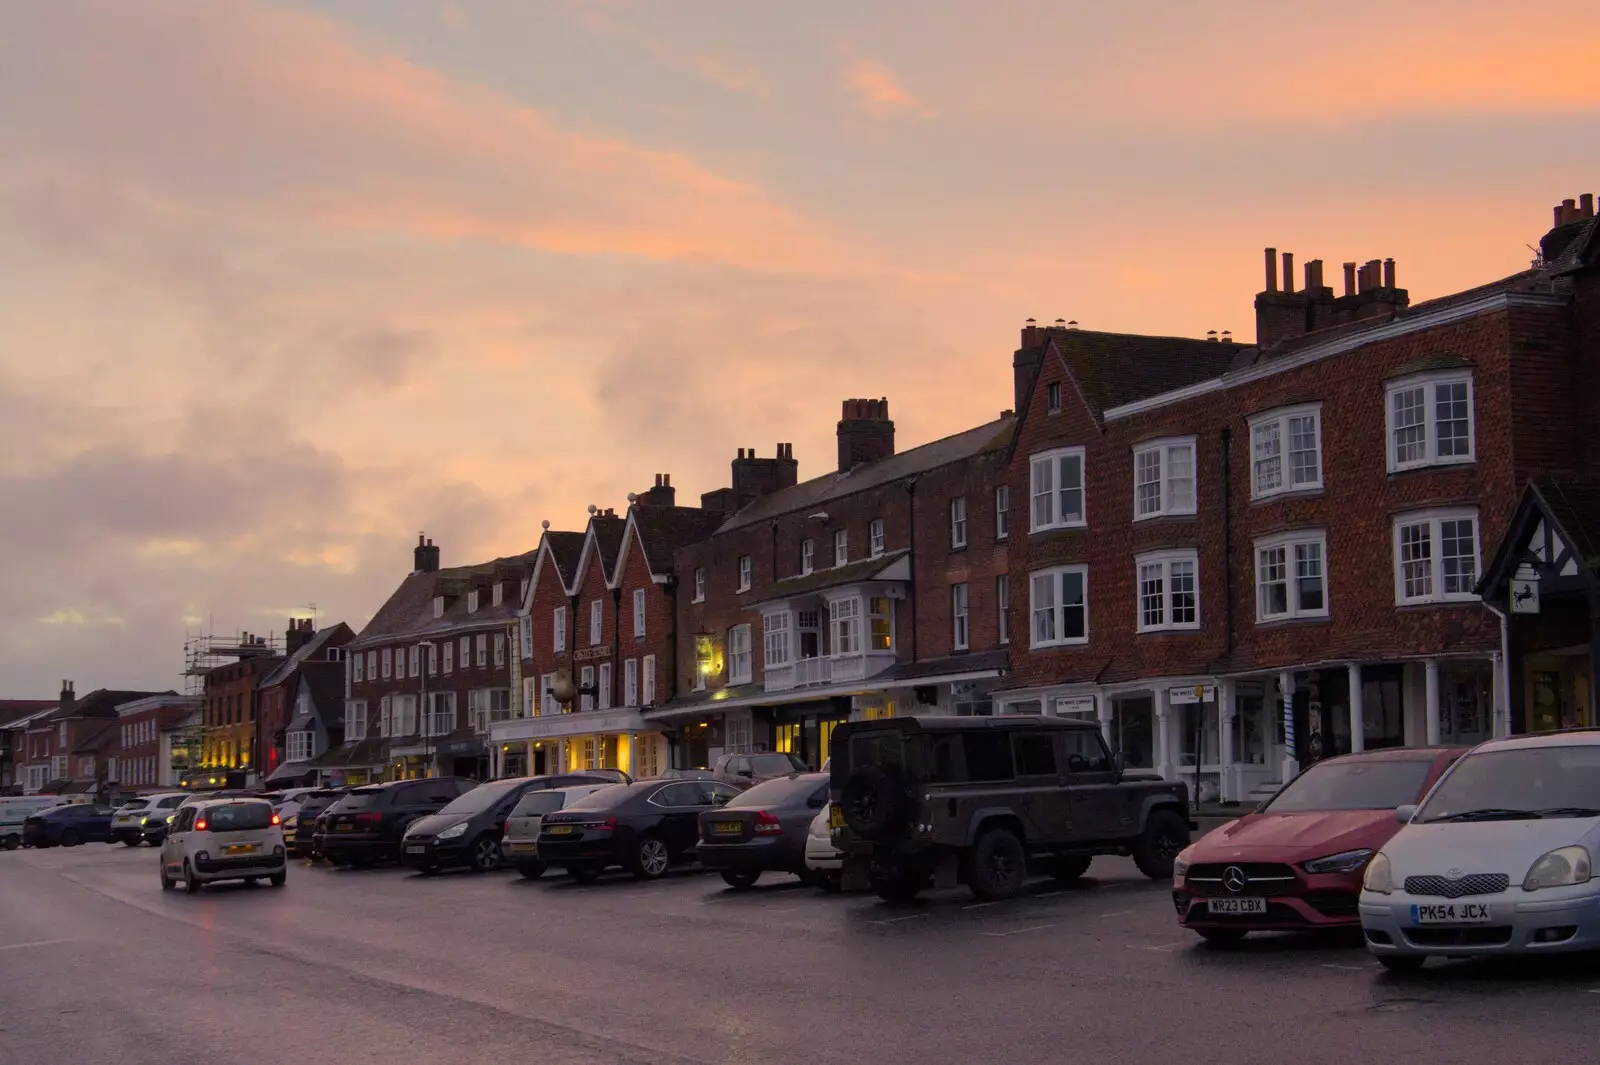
(238, 816)
(537, 802)
(481, 798)
(361, 800)
(607, 798)
(785, 791)
(766, 765)
(1554, 781)
(1361, 784)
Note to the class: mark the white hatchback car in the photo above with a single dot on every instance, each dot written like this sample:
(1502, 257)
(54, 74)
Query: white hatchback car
(223, 839)
(1498, 859)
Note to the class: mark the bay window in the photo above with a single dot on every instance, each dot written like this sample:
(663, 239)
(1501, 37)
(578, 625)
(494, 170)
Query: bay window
(1286, 451)
(776, 648)
(844, 624)
(1291, 577)
(1436, 556)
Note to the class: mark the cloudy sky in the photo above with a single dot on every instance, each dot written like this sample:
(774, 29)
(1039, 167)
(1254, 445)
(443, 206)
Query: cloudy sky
(286, 283)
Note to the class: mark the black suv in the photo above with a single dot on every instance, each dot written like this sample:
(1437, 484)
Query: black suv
(985, 800)
(366, 826)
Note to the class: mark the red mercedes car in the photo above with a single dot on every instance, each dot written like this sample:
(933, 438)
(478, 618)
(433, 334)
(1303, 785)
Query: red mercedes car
(1296, 863)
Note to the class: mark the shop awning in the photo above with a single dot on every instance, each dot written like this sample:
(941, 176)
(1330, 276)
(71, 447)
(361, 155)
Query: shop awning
(363, 754)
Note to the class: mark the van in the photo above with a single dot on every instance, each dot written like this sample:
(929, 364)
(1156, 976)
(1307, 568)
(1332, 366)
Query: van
(15, 809)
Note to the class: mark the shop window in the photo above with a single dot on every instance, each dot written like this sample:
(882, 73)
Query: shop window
(738, 729)
(1132, 727)
(608, 752)
(1251, 727)
(825, 729)
(786, 738)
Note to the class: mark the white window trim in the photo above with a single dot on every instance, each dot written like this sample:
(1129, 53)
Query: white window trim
(875, 537)
(1165, 559)
(597, 621)
(449, 656)
(630, 682)
(438, 606)
(958, 523)
(1059, 608)
(558, 629)
(638, 612)
(808, 556)
(1054, 456)
(1287, 541)
(603, 697)
(482, 657)
(499, 650)
(1164, 506)
(960, 616)
(525, 632)
(498, 596)
(1002, 512)
(472, 601)
(699, 595)
(1281, 415)
(841, 547)
(745, 676)
(774, 624)
(747, 568)
(1432, 518)
(647, 681)
(1430, 422)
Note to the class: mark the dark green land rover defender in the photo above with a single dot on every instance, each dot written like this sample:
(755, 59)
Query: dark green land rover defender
(984, 801)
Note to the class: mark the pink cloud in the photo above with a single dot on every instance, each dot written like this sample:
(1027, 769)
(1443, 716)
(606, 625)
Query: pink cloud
(880, 94)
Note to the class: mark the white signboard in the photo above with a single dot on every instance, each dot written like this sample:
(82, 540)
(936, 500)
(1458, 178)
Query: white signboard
(1525, 595)
(1075, 706)
(1199, 693)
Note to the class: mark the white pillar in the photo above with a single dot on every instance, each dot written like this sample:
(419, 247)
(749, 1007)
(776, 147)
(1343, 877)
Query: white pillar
(1358, 713)
(1291, 760)
(1103, 707)
(1430, 699)
(1166, 757)
(1227, 708)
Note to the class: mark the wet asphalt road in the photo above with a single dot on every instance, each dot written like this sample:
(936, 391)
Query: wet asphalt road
(99, 967)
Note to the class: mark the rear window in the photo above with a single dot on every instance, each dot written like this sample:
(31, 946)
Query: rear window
(537, 802)
(785, 791)
(361, 800)
(136, 804)
(605, 798)
(169, 802)
(776, 764)
(1370, 784)
(239, 817)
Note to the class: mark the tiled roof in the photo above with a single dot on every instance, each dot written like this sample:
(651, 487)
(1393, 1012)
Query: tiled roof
(1574, 501)
(608, 539)
(16, 709)
(1112, 369)
(409, 611)
(326, 681)
(963, 445)
(108, 737)
(368, 752)
(833, 576)
(662, 530)
(102, 703)
(1577, 252)
(316, 645)
(975, 662)
(566, 548)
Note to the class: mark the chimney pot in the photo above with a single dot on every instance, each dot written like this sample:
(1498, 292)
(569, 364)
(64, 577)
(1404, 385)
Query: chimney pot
(1272, 269)
(1349, 279)
(1586, 205)
(1388, 273)
(1557, 219)
(1288, 272)
(420, 541)
(1569, 210)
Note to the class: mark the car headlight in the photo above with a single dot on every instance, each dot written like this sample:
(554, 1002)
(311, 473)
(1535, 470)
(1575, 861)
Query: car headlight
(168, 821)
(1180, 864)
(453, 831)
(1380, 878)
(1562, 867)
(1343, 862)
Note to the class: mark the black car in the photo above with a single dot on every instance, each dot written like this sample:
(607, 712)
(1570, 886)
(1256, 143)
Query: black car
(763, 830)
(467, 832)
(301, 837)
(68, 826)
(643, 827)
(367, 824)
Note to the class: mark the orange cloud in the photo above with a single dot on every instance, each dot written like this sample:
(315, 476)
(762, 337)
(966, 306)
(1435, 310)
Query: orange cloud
(880, 93)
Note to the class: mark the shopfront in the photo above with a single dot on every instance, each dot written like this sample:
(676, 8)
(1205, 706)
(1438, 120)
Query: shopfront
(562, 743)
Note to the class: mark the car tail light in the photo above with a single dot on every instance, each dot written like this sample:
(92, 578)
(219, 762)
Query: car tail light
(767, 824)
(201, 825)
(369, 818)
(277, 820)
(506, 828)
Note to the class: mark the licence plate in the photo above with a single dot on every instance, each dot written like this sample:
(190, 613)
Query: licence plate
(416, 850)
(835, 817)
(560, 830)
(1236, 907)
(525, 847)
(343, 828)
(1451, 913)
(726, 828)
(239, 848)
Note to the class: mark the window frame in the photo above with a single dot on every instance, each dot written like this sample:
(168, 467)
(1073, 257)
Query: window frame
(960, 617)
(1055, 456)
(736, 675)
(1165, 507)
(499, 650)
(638, 613)
(630, 682)
(481, 655)
(1165, 559)
(777, 638)
(1052, 397)
(699, 595)
(586, 679)
(1429, 381)
(603, 679)
(746, 573)
(558, 630)
(449, 656)
(958, 523)
(841, 548)
(525, 635)
(597, 622)
(808, 556)
(472, 601)
(647, 681)
(1433, 518)
(1002, 512)
(1058, 607)
(875, 539)
(1280, 416)
(1289, 541)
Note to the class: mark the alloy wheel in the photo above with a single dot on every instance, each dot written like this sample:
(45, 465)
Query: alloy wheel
(653, 857)
(486, 854)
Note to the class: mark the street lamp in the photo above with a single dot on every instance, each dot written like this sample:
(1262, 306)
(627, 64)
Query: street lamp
(426, 650)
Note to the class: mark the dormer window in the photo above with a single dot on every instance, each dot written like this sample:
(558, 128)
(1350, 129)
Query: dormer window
(472, 601)
(438, 606)
(499, 593)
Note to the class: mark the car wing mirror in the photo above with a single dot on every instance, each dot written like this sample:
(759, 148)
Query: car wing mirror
(1404, 814)
(1119, 763)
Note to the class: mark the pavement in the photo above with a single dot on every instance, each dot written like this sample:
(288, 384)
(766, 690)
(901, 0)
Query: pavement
(98, 966)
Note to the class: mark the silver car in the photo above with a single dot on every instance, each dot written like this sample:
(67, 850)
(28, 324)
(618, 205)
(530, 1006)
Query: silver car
(519, 843)
(1498, 859)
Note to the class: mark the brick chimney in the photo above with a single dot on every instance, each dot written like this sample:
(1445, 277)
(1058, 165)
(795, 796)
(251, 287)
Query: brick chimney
(865, 433)
(300, 633)
(1570, 218)
(1025, 361)
(754, 477)
(661, 495)
(425, 557)
(69, 699)
(1284, 313)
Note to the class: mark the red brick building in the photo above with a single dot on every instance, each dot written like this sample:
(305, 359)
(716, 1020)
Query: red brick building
(1242, 558)
(229, 754)
(69, 749)
(872, 590)
(430, 672)
(143, 755)
(306, 646)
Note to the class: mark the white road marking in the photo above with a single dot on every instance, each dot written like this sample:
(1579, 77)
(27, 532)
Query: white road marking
(1348, 968)
(1165, 948)
(1019, 931)
(35, 943)
(1047, 894)
(897, 920)
(977, 905)
(1115, 913)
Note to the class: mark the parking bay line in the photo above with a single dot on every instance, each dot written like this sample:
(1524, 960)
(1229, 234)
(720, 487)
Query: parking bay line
(1164, 948)
(35, 943)
(1115, 913)
(1019, 931)
(897, 920)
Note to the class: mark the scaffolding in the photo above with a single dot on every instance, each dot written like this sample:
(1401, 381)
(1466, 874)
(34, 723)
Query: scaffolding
(203, 653)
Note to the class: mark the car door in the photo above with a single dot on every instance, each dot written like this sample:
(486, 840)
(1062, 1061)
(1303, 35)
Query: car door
(1101, 808)
(100, 824)
(177, 837)
(1042, 800)
(680, 804)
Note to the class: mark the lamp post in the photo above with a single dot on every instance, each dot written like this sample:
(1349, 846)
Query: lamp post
(426, 650)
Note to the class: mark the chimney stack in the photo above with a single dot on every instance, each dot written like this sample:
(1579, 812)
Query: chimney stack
(1272, 270)
(1586, 205)
(1569, 215)
(865, 433)
(1349, 279)
(68, 698)
(298, 636)
(661, 494)
(1288, 272)
(425, 559)
(755, 477)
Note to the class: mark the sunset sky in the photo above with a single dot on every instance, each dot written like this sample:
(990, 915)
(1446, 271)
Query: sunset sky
(285, 284)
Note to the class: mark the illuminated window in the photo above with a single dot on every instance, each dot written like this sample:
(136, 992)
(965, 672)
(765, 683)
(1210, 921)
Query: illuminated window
(786, 738)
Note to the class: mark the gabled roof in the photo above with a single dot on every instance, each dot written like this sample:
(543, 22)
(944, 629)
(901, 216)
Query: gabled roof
(659, 531)
(604, 539)
(409, 610)
(991, 436)
(1555, 528)
(102, 702)
(1110, 369)
(561, 550)
(324, 681)
(13, 711)
(313, 648)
